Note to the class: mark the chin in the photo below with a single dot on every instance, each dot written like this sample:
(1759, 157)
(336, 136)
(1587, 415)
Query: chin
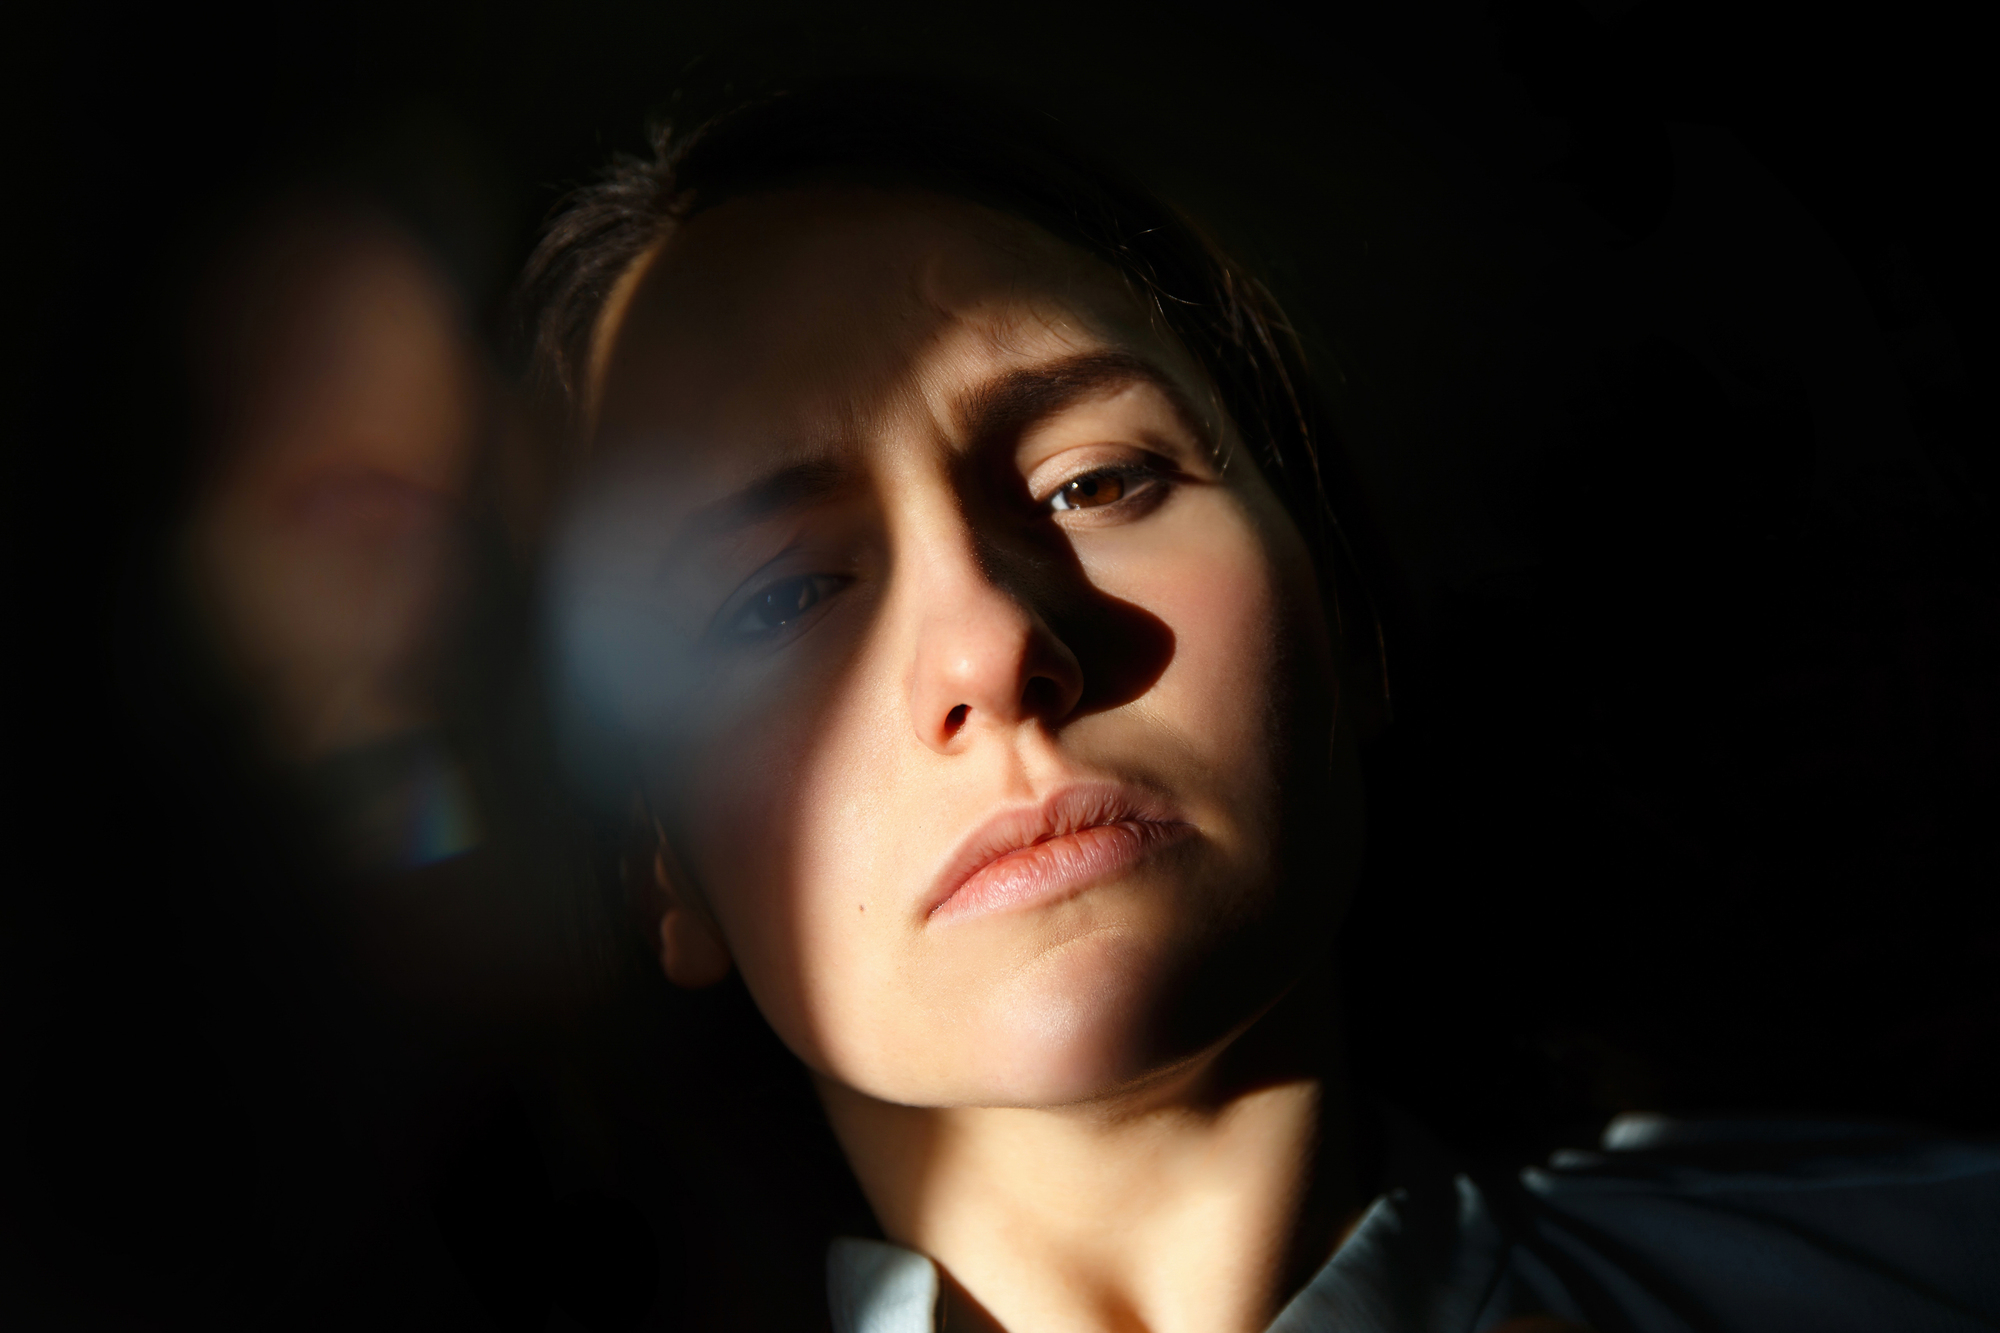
(1081, 1024)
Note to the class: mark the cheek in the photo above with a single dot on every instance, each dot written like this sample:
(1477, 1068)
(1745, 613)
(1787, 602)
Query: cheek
(775, 808)
(1225, 621)
(1210, 579)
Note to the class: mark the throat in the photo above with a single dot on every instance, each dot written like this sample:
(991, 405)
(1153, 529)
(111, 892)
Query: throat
(1193, 1212)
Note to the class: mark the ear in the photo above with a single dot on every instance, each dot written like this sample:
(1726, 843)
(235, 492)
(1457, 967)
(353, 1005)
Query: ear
(692, 951)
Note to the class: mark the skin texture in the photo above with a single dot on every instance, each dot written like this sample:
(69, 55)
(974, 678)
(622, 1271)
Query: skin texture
(957, 636)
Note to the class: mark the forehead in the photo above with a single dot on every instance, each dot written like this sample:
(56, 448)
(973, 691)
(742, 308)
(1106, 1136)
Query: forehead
(804, 321)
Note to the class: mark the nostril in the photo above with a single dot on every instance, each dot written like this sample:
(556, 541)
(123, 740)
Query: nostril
(956, 719)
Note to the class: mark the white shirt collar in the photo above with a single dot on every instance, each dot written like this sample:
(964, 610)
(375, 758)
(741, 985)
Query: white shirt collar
(1421, 1259)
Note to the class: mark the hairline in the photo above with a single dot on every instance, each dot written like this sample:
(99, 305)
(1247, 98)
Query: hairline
(618, 301)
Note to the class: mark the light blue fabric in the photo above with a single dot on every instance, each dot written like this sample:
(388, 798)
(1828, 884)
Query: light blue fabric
(1669, 1227)
(1769, 1225)
(874, 1287)
(1422, 1257)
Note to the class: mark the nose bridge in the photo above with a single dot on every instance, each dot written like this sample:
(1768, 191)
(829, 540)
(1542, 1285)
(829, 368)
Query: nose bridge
(984, 657)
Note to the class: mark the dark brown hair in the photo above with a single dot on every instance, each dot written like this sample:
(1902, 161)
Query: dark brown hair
(906, 135)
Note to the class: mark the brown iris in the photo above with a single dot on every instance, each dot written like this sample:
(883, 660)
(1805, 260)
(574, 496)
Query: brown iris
(1088, 492)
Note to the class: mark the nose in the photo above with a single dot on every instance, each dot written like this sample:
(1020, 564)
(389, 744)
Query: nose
(986, 659)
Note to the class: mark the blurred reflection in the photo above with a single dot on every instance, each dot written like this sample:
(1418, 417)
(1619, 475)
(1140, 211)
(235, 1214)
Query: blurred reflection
(342, 404)
(349, 594)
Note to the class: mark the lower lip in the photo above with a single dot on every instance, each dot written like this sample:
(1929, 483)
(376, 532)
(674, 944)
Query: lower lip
(1058, 868)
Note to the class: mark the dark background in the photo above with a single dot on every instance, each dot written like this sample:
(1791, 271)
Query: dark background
(1661, 336)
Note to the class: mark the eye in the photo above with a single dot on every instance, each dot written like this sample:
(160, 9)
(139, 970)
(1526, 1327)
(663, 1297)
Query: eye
(781, 605)
(1106, 486)
(1089, 491)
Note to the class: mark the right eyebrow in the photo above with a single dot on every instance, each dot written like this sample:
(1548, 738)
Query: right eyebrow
(1015, 401)
(787, 487)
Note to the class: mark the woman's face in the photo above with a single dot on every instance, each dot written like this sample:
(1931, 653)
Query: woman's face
(980, 682)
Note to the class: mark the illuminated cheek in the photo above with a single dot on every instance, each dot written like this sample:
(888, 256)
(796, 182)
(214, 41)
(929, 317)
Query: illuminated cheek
(874, 823)
(1220, 599)
(794, 829)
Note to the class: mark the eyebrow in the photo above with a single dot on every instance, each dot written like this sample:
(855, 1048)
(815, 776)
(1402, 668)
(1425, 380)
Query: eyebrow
(1011, 404)
(998, 410)
(789, 486)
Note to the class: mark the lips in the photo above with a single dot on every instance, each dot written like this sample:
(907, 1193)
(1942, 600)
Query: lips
(1080, 836)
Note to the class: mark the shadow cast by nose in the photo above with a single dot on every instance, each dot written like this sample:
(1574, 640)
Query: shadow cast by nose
(1123, 649)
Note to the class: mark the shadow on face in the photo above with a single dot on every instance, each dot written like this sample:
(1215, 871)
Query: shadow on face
(979, 682)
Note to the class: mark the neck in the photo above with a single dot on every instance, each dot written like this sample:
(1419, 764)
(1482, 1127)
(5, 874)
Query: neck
(1200, 1202)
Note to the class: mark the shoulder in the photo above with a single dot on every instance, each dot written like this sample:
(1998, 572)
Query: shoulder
(1759, 1224)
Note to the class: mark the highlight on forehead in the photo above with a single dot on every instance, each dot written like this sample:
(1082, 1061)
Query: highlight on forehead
(1022, 257)
(604, 333)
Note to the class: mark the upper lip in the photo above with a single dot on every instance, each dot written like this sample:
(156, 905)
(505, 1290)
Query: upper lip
(1067, 810)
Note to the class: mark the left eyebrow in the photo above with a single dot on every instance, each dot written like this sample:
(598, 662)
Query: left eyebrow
(1007, 406)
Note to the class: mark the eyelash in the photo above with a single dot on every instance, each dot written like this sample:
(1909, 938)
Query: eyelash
(1138, 483)
(812, 590)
